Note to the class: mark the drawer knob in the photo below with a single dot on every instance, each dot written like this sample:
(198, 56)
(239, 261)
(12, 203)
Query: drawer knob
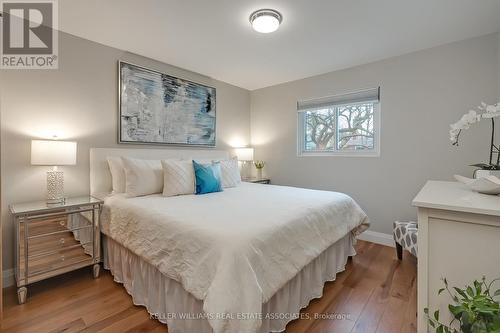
(62, 258)
(62, 241)
(62, 223)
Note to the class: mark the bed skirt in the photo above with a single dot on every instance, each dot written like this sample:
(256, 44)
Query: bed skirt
(167, 301)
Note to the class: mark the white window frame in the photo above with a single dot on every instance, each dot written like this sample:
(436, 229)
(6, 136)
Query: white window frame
(375, 152)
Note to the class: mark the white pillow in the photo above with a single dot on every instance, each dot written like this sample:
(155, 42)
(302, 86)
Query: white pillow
(117, 173)
(178, 177)
(142, 177)
(230, 172)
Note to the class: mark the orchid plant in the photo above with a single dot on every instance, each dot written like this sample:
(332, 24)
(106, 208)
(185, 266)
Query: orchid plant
(259, 164)
(484, 111)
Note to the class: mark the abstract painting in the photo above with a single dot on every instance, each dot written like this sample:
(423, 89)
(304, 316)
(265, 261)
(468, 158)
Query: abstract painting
(157, 108)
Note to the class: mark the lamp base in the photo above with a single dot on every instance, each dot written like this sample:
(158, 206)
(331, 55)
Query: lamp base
(246, 170)
(55, 187)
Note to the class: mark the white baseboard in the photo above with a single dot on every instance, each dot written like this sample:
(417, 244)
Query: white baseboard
(8, 278)
(377, 237)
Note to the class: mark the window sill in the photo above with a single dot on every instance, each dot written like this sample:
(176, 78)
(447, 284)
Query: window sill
(338, 154)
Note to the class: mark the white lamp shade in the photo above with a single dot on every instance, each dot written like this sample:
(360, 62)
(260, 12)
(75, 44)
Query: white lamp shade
(244, 154)
(53, 152)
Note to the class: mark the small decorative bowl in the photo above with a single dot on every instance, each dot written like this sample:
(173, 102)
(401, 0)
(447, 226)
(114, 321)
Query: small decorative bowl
(486, 185)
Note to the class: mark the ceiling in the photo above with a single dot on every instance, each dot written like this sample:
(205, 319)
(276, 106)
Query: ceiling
(214, 37)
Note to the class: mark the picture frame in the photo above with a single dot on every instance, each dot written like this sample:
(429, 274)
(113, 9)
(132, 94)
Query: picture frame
(160, 109)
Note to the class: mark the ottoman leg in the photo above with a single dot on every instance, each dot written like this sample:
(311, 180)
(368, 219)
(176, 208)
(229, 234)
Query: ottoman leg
(399, 251)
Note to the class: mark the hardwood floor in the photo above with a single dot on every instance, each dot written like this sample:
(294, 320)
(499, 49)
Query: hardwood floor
(376, 293)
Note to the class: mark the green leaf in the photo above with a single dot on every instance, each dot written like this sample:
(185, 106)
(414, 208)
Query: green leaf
(439, 329)
(497, 293)
(461, 292)
(481, 165)
(486, 166)
(479, 286)
(456, 310)
(470, 292)
(436, 315)
(479, 326)
(441, 290)
(465, 318)
(496, 323)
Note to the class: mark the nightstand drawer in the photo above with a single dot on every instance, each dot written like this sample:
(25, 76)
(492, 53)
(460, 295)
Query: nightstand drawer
(57, 259)
(50, 225)
(42, 226)
(39, 245)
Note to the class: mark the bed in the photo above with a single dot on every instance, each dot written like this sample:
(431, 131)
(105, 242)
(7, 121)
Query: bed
(243, 260)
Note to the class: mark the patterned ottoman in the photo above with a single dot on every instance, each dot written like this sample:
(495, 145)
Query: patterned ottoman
(405, 235)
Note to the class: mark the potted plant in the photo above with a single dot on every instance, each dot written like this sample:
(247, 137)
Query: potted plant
(475, 309)
(259, 165)
(484, 111)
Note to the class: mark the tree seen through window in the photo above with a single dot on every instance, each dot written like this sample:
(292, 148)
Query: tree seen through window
(345, 127)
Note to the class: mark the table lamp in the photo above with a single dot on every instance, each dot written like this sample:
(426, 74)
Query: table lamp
(244, 154)
(53, 153)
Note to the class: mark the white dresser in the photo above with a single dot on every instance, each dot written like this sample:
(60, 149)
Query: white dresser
(458, 238)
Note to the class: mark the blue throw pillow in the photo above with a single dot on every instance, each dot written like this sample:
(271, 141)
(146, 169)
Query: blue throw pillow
(208, 177)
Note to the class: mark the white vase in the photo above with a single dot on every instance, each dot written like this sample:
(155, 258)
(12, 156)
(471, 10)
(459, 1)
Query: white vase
(483, 173)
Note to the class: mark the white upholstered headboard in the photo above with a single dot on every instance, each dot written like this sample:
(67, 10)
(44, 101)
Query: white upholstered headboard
(100, 176)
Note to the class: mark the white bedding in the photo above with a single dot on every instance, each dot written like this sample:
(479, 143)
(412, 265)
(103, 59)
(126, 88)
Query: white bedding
(233, 249)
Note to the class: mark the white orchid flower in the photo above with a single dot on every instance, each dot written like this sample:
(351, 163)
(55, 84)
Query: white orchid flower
(491, 108)
(469, 118)
(492, 111)
(472, 117)
(491, 115)
(454, 132)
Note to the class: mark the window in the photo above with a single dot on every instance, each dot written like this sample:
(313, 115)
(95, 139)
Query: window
(343, 125)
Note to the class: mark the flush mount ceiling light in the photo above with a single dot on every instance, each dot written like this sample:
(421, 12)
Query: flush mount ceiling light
(265, 20)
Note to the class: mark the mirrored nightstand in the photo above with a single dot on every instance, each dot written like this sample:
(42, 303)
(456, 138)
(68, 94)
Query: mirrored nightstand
(53, 239)
(257, 180)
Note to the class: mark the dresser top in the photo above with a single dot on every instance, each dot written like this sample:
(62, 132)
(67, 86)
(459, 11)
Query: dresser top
(456, 197)
(43, 206)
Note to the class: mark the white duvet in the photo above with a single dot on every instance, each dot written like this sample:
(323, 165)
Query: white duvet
(233, 249)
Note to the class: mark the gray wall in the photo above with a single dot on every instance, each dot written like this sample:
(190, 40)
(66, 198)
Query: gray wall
(79, 101)
(421, 94)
